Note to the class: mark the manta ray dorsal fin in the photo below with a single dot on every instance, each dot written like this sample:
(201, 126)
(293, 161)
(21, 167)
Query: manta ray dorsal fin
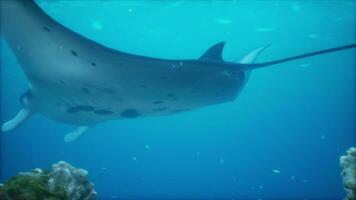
(214, 53)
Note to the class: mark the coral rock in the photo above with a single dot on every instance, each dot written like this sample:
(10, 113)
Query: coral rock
(348, 173)
(73, 180)
(64, 182)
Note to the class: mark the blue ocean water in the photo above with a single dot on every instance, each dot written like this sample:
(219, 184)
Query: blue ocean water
(281, 138)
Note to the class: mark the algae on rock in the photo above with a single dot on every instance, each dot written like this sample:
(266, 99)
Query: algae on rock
(32, 186)
(64, 182)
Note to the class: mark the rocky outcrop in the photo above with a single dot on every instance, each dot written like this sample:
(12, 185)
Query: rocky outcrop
(348, 173)
(64, 182)
(74, 181)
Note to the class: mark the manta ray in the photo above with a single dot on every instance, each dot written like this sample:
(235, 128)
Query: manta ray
(78, 81)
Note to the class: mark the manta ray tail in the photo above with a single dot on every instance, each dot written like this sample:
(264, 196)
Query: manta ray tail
(21, 116)
(246, 67)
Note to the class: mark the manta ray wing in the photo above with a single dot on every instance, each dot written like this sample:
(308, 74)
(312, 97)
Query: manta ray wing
(77, 81)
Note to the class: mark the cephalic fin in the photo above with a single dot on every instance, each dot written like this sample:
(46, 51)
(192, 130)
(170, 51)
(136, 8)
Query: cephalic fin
(21, 116)
(74, 135)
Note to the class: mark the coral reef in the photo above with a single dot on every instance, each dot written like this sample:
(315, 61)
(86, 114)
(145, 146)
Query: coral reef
(64, 182)
(348, 173)
(2, 195)
(74, 181)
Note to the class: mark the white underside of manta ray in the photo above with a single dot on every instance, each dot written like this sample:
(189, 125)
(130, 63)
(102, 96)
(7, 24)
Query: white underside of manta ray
(77, 81)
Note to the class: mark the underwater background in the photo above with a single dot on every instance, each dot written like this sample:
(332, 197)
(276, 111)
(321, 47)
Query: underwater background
(281, 138)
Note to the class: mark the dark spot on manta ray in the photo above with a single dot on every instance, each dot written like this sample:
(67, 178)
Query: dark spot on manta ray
(217, 94)
(25, 3)
(179, 110)
(118, 98)
(144, 86)
(157, 102)
(175, 99)
(160, 109)
(106, 90)
(170, 95)
(46, 29)
(79, 108)
(103, 112)
(74, 53)
(85, 90)
(196, 89)
(61, 82)
(93, 64)
(163, 78)
(130, 113)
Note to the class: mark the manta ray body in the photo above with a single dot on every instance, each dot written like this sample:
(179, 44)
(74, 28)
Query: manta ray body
(77, 81)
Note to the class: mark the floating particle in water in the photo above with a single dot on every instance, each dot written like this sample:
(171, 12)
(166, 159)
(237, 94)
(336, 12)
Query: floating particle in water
(103, 168)
(181, 63)
(129, 10)
(134, 158)
(338, 19)
(222, 161)
(175, 4)
(296, 6)
(147, 146)
(313, 36)
(304, 181)
(153, 31)
(198, 153)
(97, 25)
(223, 21)
(276, 171)
(304, 65)
(322, 137)
(265, 29)
(292, 177)
(260, 187)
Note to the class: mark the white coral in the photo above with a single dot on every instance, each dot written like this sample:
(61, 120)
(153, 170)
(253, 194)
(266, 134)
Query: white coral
(73, 180)
(348, 173)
